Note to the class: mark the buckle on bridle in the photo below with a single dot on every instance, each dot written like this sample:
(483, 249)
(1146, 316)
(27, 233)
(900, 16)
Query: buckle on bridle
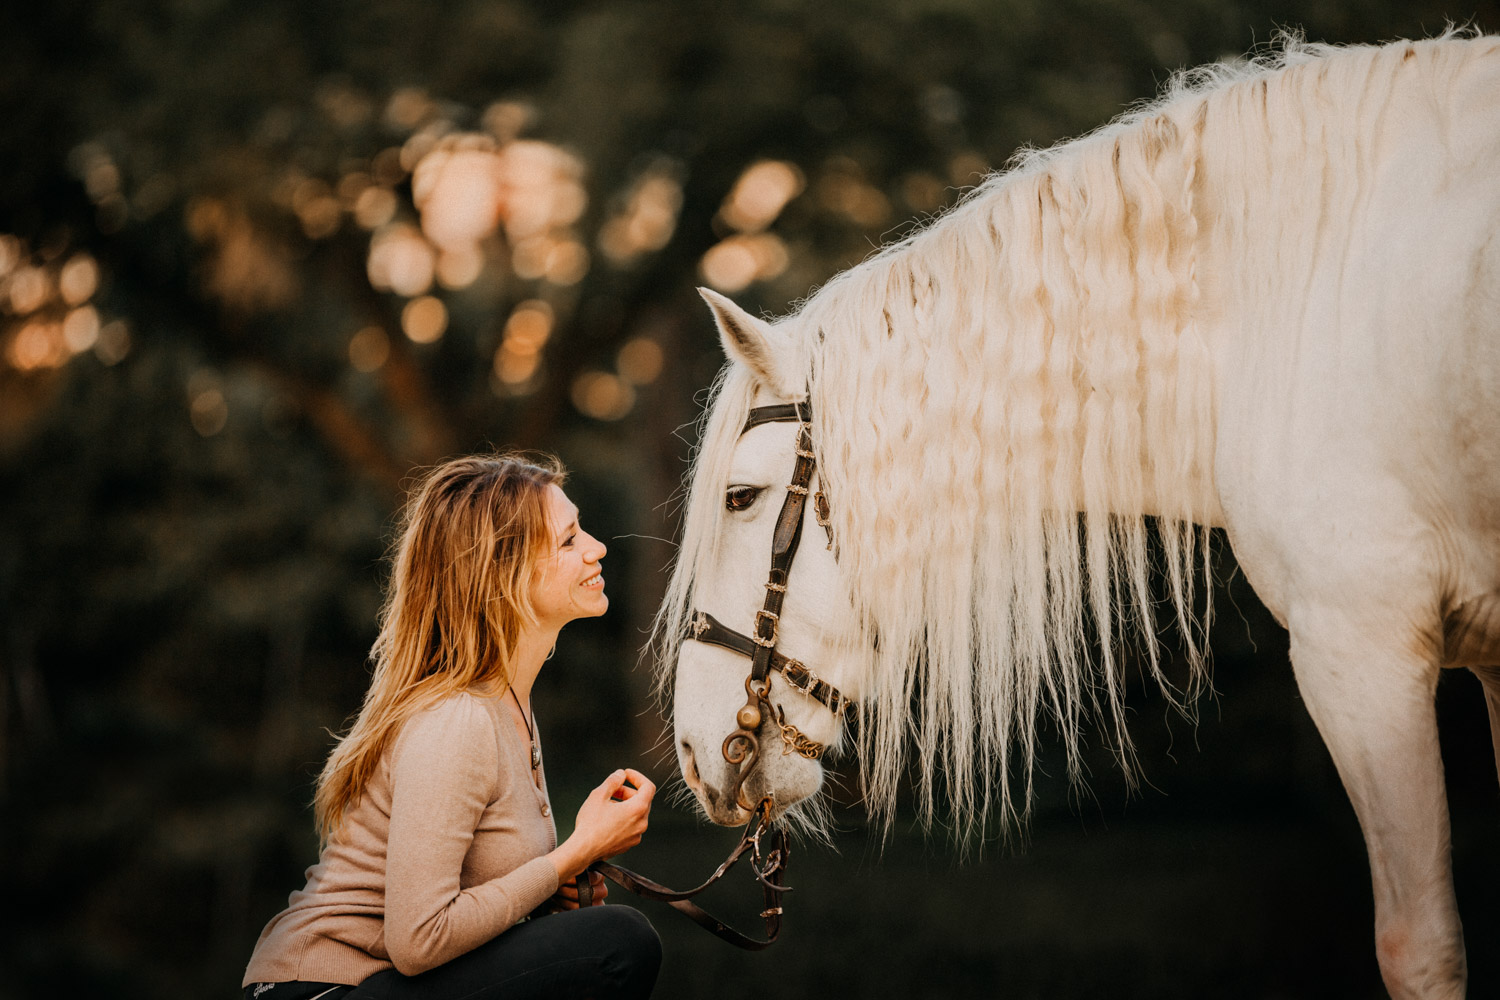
(775, 620)
(796, 667)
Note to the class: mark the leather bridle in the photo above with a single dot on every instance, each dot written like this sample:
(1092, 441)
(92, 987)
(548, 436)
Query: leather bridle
(741, 748)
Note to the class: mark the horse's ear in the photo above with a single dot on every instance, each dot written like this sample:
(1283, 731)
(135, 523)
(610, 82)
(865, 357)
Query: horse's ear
(753, 342)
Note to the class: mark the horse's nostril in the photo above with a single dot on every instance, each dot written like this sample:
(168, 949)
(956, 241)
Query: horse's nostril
(690, 766)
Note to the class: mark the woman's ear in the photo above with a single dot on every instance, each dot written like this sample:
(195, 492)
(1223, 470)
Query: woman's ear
(757, 345)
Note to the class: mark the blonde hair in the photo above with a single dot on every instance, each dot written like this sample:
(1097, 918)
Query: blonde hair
(471, 535)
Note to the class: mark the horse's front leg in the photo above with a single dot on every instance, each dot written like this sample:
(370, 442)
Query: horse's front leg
(1372, 696)
(1490, 678)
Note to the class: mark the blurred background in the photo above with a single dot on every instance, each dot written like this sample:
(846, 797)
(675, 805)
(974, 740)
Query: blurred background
(261, 260)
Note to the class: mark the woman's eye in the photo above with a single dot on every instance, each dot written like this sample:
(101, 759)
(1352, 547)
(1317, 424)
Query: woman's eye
(740, 497)
(568, 541)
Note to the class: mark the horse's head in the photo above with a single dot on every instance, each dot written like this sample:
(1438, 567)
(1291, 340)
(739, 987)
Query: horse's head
(738, 513)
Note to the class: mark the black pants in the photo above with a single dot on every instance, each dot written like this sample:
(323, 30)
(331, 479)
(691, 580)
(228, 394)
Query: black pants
(601, 953)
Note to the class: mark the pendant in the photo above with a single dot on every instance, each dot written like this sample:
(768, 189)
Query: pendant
(536, 756)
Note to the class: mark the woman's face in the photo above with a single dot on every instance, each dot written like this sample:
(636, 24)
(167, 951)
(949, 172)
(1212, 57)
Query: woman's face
(568, 583)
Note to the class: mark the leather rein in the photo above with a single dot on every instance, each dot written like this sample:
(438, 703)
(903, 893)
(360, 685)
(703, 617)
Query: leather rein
(765, 842)
(768, 849)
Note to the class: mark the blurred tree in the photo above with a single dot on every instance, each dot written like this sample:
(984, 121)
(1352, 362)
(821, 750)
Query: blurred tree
(258, 261)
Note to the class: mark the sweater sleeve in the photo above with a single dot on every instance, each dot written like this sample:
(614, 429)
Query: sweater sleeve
(445, 770)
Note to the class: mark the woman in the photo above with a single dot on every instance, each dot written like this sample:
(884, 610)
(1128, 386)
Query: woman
(438, 838)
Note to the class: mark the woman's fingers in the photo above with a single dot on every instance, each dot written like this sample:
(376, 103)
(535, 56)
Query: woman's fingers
(627, 783)
(643, 785)
(613, 785)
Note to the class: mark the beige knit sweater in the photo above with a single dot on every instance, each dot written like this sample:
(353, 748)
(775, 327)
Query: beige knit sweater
(443, 851)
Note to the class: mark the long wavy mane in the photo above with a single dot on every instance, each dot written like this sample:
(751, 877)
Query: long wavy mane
(1007, 405)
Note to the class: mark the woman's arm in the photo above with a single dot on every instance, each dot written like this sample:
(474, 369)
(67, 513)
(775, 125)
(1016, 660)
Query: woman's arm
(445, 772)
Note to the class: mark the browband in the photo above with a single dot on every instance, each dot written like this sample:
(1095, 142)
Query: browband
(778, 413)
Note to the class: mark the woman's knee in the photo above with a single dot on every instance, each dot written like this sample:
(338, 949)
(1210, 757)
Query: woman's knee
(633, 947)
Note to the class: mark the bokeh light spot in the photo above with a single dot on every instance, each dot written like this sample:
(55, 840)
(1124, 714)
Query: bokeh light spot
(528, 258)
(923, 191)
(351, 186)
(114, 343)
(374, 207)
(566, 263)
(37, 345)
(842, 189)
(529, 327)
(11, 252)
(321, 218)
(209, 411)
(80, 329)
(457, 188)
(507, 119)
(79, 279)
(602, 396)
(640, 361)
(541, 188)
(369, 349)
(28, 290)
(515, 369)
(968, 169)
(424, 319)
(460, 267)
(732, 264)
(401, 261)
(407, 108)
(760, 194)
(648, 219)
(102, 180)
(728, 266)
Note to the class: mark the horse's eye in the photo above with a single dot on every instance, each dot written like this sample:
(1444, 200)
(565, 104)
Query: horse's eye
(740, 497)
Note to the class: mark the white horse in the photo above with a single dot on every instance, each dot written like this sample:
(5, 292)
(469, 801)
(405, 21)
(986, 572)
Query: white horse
(1268, 303)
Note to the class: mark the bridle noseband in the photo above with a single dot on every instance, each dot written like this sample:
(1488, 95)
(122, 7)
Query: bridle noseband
(742, 747)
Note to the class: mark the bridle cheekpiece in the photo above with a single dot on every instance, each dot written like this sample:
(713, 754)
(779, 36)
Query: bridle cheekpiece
(742, 747)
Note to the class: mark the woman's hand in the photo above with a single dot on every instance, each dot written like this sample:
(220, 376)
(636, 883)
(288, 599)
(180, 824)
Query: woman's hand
(566, 898)
(610, 822)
